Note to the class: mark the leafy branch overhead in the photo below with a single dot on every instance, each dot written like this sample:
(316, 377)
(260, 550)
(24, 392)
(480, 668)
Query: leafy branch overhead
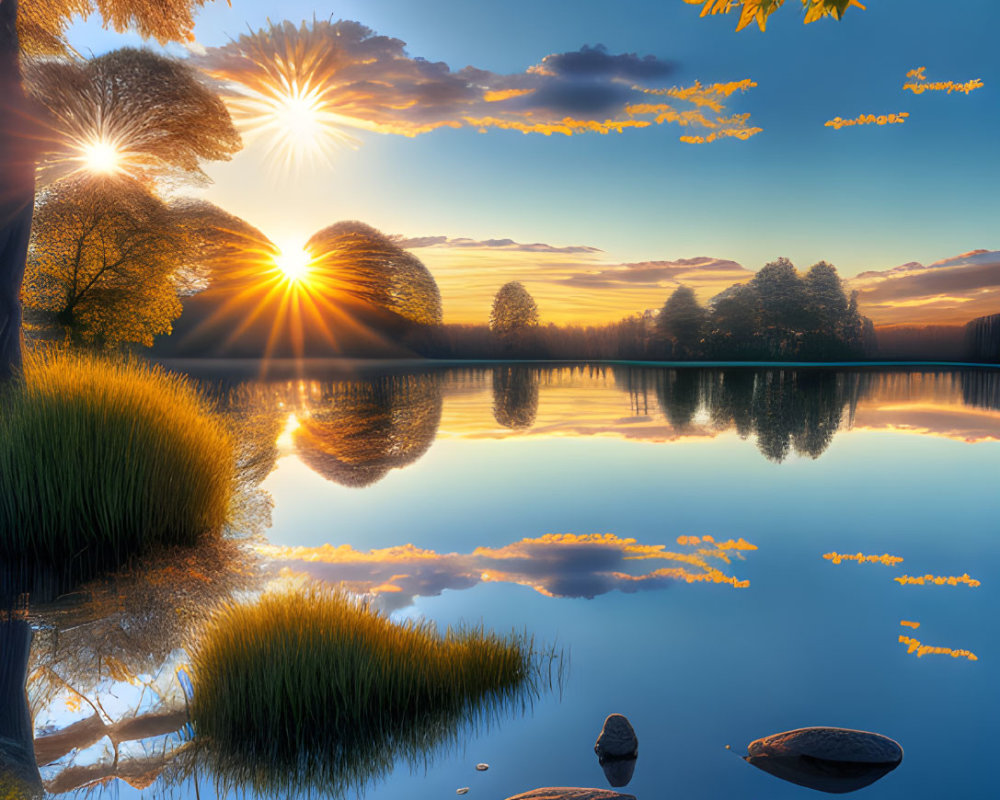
(759, 10)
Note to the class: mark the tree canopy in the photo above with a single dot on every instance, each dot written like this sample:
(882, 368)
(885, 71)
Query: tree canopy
(41, 24)
(149, 116)
(682, 320)
(781, 314)
(366, 264)
(103, 252)
(514, 309)
(759, 10)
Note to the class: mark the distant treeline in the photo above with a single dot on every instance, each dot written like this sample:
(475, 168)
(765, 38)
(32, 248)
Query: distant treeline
(780, 315)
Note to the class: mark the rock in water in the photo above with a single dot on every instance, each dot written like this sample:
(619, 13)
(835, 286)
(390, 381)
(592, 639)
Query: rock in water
(617, 739)
(571, 793)
(618, 771)
(835, 760)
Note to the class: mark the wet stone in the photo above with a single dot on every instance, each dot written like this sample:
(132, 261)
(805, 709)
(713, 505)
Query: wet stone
(617, 739)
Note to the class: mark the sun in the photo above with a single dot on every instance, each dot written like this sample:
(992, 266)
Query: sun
(101, 157)
(294, 261)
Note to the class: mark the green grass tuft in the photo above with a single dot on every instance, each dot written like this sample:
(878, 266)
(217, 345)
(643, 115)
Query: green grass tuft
(314, 689)
(102, 460)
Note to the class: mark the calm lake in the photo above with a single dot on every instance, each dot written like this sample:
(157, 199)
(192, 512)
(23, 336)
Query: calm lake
(676, 535)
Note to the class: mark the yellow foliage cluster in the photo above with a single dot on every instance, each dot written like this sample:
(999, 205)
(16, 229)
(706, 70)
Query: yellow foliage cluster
(915, 646)
(41, 24)
(885, 558)
(759, 10)
(868, 119)
(936, 580)
(919, 84)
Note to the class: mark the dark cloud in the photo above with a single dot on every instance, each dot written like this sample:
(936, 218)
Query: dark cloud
(596, 61)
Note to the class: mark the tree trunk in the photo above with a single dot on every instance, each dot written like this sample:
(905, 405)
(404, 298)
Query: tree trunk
(17, 189)
(18, 769)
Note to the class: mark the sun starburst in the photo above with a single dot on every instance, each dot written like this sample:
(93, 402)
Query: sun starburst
(282, 87)
(294, 261)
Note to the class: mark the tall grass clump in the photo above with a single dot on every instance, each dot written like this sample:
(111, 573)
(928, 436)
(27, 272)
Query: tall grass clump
(102, 460)
(313, 688)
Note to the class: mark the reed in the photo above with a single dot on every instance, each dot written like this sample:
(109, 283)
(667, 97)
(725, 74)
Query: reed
(312, 687)
(102, 460)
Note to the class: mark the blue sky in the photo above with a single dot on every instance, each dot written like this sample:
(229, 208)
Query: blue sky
(862, 198)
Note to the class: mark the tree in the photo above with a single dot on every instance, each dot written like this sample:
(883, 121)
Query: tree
(367, 264)
(39, 29)
(759, 10)
(682, 320)
(103, 254)
(826, 303)
(514, 310)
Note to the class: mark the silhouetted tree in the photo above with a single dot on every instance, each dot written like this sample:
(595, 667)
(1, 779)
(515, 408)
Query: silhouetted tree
(682, 321)
(826, 303)
(39, 29)
(515, 396)
(103, 253)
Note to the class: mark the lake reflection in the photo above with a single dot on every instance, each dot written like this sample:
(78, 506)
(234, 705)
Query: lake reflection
(722, 552)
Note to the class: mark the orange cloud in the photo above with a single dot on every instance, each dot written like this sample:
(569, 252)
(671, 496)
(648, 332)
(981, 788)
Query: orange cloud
(907, 623)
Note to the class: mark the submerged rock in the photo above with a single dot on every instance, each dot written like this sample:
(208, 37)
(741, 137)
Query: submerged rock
(617, 739)
(835, 760)
(571, 793)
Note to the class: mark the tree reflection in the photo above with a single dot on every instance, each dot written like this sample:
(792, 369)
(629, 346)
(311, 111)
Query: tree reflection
(515, 396)
(362, 429)
(97, 665)
(680, 393)
(784, 410)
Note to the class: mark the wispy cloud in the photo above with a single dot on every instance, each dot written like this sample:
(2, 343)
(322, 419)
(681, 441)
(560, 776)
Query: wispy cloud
(950, 291)
(497, 244)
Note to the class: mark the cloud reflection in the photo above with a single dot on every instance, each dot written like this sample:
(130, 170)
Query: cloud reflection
(555, 565)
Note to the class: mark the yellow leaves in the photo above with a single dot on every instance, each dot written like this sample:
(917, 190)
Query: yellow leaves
(937, 580)
(759, 10)
(915, 646)
(918, 84)
(861, 558)
(868, 119)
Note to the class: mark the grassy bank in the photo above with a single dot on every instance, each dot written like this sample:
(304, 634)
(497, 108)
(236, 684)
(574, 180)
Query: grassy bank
(314, 687)
(101, 460)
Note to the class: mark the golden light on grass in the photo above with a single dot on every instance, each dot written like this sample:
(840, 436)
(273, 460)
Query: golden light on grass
(308, 687)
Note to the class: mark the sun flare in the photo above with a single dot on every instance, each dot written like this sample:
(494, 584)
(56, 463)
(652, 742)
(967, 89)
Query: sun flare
(294, 261)
(101, 157)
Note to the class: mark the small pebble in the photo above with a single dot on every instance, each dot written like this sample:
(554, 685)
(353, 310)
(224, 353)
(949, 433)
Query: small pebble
(463, 790)
(482, 767)
(729, 747)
